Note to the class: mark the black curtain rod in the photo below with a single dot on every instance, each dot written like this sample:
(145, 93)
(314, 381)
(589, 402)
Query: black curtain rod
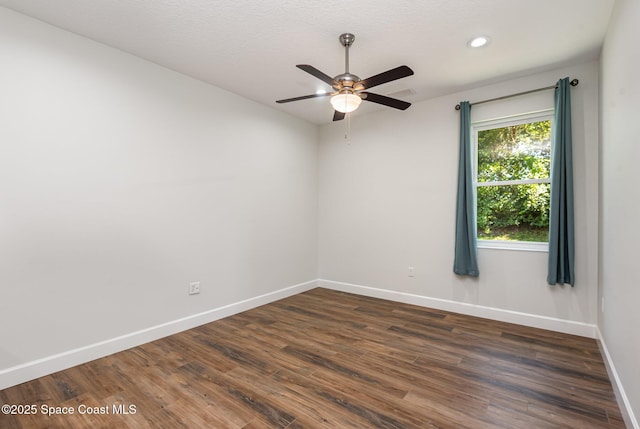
(574, 82)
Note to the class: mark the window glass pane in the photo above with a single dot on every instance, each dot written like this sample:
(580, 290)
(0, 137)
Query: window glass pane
(515, 152)
(514, 212)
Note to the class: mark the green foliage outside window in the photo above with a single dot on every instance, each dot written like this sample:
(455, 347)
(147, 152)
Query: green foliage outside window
(516, 211)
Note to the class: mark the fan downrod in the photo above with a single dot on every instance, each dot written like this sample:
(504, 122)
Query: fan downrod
(346, 79)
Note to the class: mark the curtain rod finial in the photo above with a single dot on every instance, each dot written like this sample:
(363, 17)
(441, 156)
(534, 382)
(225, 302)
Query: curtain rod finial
(457, 107)
(574, 82)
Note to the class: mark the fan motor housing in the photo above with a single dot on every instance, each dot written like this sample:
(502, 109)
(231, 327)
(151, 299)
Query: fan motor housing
(346, 79)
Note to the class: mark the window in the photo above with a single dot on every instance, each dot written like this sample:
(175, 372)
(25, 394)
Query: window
(512, 179)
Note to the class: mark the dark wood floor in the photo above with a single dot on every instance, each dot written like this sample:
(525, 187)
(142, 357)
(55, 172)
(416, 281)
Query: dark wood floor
(334, 360)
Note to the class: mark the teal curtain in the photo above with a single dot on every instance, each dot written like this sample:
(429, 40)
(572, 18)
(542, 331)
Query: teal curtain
(561, 227)
(466, 250)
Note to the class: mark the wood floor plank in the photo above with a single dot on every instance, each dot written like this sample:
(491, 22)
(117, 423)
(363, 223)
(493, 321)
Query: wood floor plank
(328, 359)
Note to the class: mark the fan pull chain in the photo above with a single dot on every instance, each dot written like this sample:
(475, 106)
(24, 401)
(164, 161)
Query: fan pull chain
(347, 136)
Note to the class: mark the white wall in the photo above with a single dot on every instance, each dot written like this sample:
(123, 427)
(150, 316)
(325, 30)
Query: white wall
(620, 205)
(387, 202)
(121, 182)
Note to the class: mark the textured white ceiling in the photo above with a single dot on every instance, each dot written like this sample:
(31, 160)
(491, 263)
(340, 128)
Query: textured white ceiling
(251, 47)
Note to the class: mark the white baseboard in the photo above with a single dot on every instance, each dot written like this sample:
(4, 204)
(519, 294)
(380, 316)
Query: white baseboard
(623, 401)
(526, 319)
(50, 364)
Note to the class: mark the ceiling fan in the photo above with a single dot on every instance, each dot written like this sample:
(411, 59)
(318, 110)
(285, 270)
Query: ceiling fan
(349, 90)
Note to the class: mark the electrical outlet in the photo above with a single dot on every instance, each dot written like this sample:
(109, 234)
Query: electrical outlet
(410, 271)
(194, 288)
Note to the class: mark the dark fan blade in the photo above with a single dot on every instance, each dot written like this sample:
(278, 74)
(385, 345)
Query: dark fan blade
(338, 116)
(387, 101)
(388, 76)
(304, 97)
(317, 73)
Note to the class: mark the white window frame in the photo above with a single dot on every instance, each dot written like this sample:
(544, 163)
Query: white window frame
(542, 115)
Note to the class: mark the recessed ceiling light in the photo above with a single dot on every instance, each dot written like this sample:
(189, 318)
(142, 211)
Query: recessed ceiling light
(478, 42)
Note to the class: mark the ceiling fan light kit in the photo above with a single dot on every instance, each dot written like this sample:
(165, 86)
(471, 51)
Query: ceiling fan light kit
(349, 90)
(345, 103)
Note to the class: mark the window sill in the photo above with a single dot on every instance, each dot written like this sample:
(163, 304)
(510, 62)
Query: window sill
(526, 246)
